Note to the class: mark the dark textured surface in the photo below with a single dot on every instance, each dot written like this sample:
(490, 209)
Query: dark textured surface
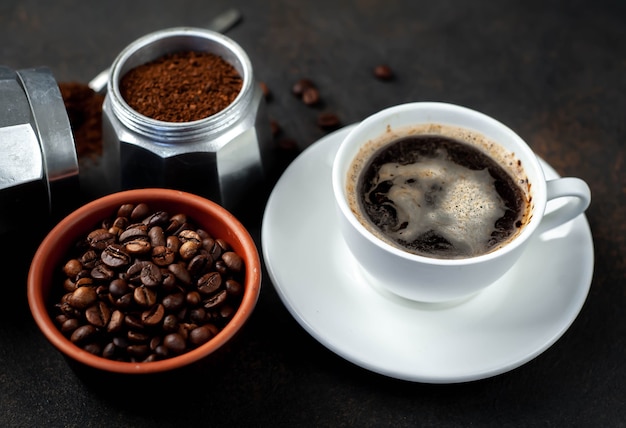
(553, 71)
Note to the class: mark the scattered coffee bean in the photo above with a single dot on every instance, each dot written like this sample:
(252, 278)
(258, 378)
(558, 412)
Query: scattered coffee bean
(301, 85)
(311, 96)
(266, 91)
(123, 302)
(275, 127)
(383, 72)
(328, 121)
(287, 144)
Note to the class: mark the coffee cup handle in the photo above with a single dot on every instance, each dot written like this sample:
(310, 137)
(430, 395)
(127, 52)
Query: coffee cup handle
(579, 198)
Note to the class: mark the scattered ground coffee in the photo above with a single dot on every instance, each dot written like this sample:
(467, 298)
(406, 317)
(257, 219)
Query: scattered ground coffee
(84, 111)
(181, 87)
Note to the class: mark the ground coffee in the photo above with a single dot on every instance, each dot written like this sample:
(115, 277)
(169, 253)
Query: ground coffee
(84, 111)
(181, 87)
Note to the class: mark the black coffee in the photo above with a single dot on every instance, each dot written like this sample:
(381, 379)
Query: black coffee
(439, 197)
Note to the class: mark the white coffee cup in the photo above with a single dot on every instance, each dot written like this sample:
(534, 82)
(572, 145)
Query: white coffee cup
(430, 279)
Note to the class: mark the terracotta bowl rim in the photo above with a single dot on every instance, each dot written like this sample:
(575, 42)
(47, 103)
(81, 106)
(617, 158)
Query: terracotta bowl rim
(65, 233)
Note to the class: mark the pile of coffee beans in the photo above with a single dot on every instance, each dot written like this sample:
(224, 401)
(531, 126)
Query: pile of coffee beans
(146, 285)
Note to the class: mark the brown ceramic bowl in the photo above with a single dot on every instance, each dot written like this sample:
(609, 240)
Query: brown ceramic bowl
(52, 254)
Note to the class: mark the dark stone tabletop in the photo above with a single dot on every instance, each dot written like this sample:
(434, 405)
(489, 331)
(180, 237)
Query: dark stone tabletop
(554, 71)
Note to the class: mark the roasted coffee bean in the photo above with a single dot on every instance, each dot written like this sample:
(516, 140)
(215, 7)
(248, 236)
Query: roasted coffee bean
(157, 218)
(200, 335)
(138, 351)
(137, 247)
(383, 72)
(199, 263)
(118, 287)
(83, 333)
(163, 256)
(150, 274)
(226, 311)
(311, 96)
(116, 322)
(120, 223)
(144, 296)
(155, 341)
(169, 280)
(72, 268)
(287, 144)
(193, 299)
(137, 336)
(69, 285)
(275, 128)
(220, 267)
(125, 210)
(114, 255)
(328, 121)
(84, 281)
(223, 244)
(180, 272)
(216, 300)
(89, 259)
(170, 323)
(98, 315)
(100, 238)
(189, 249)
(133, 273)
(209, 283)
(213, 248)
(102, 291)
(301, 85)
(233, 261)
(133, 322)
(109, 351)
(266, 91)
(175, 343)
(151, 358)
(83, 297)
(69, 325)
(134, 231)
(234, 288)
(197, 315)
(174, 302)
(154, 315)
(157, 236)
(189, 235)
(93, 348)
(121, 342)
(125, 301)
(173, 243)
(176, 221)
(140, 212)
(102, 271)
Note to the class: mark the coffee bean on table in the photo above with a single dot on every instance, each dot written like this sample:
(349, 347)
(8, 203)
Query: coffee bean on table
(311, 96)
(155, 288)
(383, 72)
(328, 121)
(301, 85)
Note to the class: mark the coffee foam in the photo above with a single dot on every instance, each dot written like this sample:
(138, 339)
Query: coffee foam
(464, 196)
(463, 207)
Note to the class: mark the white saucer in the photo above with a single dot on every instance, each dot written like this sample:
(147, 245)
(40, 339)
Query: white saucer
(501, 328)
